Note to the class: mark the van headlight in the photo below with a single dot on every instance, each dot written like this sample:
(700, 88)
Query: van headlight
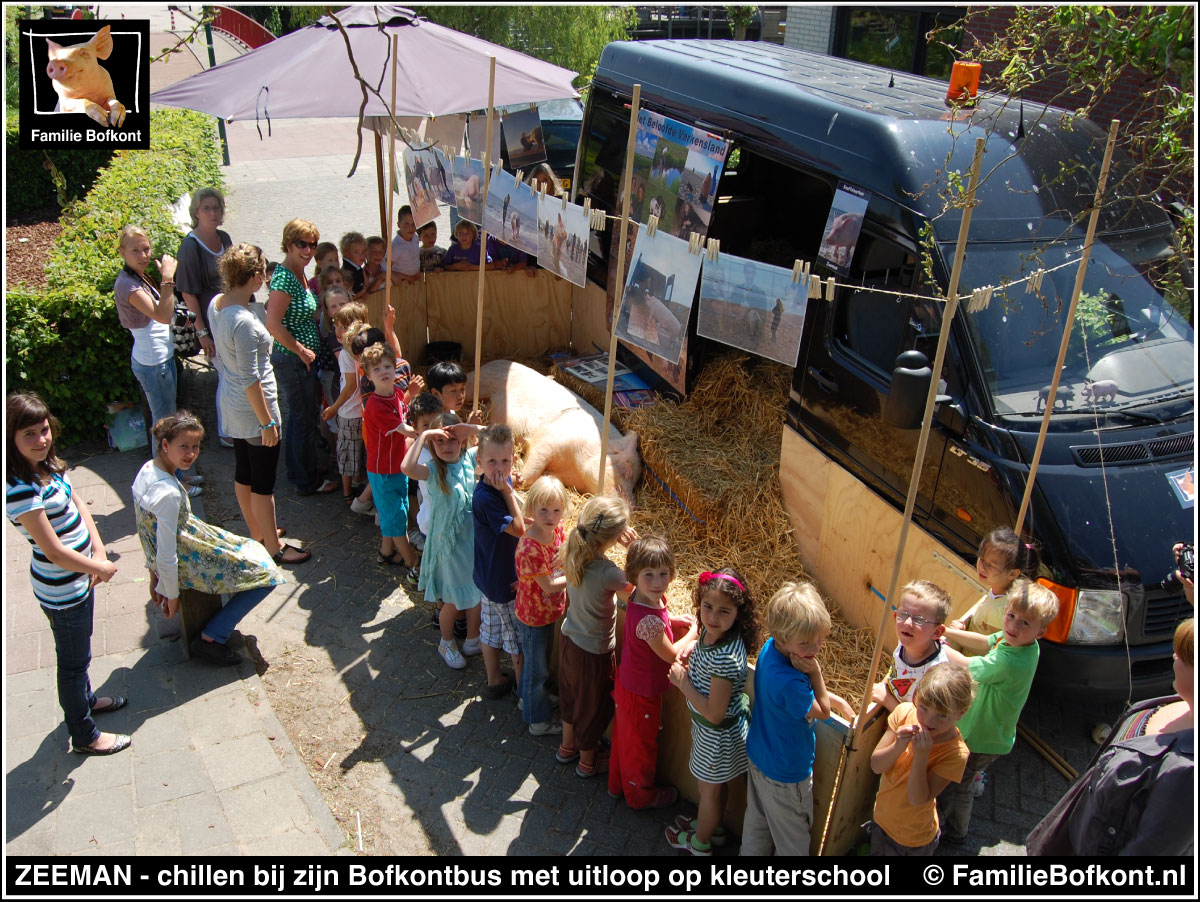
(1099, 617)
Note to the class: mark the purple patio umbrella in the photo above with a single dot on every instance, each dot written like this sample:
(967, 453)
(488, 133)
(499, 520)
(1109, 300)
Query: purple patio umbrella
(307, 73)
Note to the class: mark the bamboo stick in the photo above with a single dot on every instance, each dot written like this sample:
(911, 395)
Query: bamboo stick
(383, 229)
(1057, 761)
(619, 284)
(391, 181)
(483, 235)
(930, 400)
(1093, 218)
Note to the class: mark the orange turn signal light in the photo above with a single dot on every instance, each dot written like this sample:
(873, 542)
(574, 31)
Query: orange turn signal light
(1060, 627)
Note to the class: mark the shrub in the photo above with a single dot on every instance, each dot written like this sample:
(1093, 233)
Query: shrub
(67, 343)
(30, 183)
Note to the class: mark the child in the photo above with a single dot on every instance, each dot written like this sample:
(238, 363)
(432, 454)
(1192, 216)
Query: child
(334, 296)
(347, 406)
(920, 623)
(373, 270)
(499, 524)
(354, 256)
(464, 256)
(384, 434)
(1003, 557)
(406, 249)
(789, 693)
(541, 597)
(649, 647)
(450, 549)
(712, 682)
(1004, 674)
(431, 254)
(326, 256)
(920, 755)
(448, 383)
(586, 658)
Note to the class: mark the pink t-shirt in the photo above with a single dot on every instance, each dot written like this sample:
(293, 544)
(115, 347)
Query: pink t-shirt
(641, 671)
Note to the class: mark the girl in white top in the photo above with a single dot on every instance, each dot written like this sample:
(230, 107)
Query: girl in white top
(406, 249)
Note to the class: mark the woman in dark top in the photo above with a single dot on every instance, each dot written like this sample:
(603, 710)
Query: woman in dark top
(197, 278)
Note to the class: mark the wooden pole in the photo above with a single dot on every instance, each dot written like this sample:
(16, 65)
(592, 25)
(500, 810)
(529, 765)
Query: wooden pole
(383, 222)
(483, 235)
(619, 284)
(1066, 338)
(930, 399)
(391, 181)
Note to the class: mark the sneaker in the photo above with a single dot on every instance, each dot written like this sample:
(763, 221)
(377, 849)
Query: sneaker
(472, 647)
(362, 507)
(683, 822)
(545, 728)
(193, 490)
(225, 442)
(520, 703)
(979, 784)
(451, 655)
(417, 539)
(682, 839)
(412, 575)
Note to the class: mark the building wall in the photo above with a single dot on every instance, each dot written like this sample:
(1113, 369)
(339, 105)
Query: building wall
(809, 27)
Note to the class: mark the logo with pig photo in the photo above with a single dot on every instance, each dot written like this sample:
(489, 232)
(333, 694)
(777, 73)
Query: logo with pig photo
(84, 84)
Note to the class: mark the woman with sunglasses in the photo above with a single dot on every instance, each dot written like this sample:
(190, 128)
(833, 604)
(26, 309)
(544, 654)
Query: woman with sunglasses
(249, 398)
(291, 320)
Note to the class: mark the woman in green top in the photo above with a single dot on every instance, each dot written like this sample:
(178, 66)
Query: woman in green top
(292, 322)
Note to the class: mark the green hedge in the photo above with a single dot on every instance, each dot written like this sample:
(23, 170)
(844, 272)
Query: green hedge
(30, 184)
(66, 343)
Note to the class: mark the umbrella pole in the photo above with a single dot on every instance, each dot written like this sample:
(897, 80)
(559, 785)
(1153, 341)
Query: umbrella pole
(483, 235)
(619, 283)
(926, 421)
(383, 218)
(391, 181)
(1084, 258)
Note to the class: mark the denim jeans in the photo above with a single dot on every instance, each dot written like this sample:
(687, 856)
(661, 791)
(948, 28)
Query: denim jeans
(72, 629)
(536, 642)
(158, 382)
(220, 627)
(300, 387)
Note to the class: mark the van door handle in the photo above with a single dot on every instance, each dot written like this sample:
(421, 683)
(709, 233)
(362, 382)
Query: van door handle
(823, 381)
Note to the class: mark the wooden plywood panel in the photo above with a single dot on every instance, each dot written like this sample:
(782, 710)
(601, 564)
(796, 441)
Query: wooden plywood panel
(856, 789)
(589, 321)
(409, 300)
(804, 483)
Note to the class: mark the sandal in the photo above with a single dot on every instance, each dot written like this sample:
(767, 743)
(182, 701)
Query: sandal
(587, 771)
(115, 703)
(278, 557)
(388, 559)
(683, 822)
(685, 840)
(499, 690)
(565, 755)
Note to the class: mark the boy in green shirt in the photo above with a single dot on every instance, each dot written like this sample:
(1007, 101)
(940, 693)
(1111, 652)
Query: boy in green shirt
(1004, 675)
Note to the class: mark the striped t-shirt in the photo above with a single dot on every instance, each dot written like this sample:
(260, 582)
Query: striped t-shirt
(53, 586)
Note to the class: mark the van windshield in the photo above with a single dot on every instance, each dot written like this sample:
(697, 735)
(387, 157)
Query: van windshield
(1130, 348)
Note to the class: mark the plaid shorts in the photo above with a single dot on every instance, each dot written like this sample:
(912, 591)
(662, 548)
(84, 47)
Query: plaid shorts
(351, 453)
(498, 627)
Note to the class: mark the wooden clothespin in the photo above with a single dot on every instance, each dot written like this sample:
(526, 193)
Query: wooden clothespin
(520, 177)
(693, 243)
(1033, 285)
(587, 207)
(564, 200)
(798, 272)
(980, 299)
(596, 220)
(830, 288)
(814, 287)
(533, 107)
(541, 190)
(651, 226)
(714, 249)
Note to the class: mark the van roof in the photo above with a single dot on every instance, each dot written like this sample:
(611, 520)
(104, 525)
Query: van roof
(889, 132)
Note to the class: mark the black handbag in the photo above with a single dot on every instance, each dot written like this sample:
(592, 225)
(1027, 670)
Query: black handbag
(183, 330)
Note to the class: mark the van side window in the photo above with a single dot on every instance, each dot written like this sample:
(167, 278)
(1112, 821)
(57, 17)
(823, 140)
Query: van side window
(869, 323)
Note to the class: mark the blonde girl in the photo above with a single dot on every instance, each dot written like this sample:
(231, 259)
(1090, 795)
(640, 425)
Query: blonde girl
(449, 560)
(587, 660)
(541, 596)
(712, 682)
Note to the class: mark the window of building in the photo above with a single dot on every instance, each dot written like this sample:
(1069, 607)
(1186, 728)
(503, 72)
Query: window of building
(895, 37)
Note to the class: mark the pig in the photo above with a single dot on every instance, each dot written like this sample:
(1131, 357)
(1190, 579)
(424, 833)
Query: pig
(1093, 391)
(83, 85)
(669, 329)
(1065, 394)
(560, 430)
(842, 235)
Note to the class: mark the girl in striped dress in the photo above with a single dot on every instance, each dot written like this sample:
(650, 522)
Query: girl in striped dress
(712, 681)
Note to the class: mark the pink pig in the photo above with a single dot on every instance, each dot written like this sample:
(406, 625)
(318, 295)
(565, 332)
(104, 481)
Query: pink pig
(83, 85)
(1094, 391)
(560, 429)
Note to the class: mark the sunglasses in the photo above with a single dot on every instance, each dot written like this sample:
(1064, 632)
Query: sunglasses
(304, 245)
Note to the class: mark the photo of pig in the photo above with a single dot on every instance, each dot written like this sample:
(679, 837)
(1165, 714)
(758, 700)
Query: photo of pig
(562, 239)
(656, 306)
(559, 430)
(468, 189)
(842, 228)
(81, 83)
(753, 306)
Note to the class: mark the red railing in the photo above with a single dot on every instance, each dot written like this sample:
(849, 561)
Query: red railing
(240, 28)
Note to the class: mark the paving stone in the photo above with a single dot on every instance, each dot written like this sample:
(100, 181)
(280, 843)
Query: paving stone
(237, 761)
(265, 808)
(77, 826)
(32, 713)
(202, 824)
(219, 717)
(156, 830)
(172, 774)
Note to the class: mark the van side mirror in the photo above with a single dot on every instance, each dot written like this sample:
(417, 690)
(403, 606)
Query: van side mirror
(905, 405)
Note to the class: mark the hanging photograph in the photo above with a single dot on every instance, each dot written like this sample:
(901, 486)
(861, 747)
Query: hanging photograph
(417, 177)
(468, 189)
(842, 228)
(562, 239)
(523, 138)
(441, 177)
(658, 295)
(477, 135)
(510, 213)
(752, 306)
(676, 168)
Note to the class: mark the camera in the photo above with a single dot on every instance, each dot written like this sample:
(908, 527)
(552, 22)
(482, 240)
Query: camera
(1186, 567)
(183, 317)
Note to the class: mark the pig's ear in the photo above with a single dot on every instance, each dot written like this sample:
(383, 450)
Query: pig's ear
(623, 470)
(102, 43)
(54, 48)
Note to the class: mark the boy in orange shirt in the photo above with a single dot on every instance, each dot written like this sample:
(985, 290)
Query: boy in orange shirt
(921, 754)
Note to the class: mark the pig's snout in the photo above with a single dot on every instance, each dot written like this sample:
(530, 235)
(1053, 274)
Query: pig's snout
(56, 70)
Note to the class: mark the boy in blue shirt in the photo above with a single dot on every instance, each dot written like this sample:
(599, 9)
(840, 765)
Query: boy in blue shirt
(499, 525)
(789, 692)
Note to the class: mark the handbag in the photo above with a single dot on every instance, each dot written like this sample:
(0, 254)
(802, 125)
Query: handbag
(183, 330)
